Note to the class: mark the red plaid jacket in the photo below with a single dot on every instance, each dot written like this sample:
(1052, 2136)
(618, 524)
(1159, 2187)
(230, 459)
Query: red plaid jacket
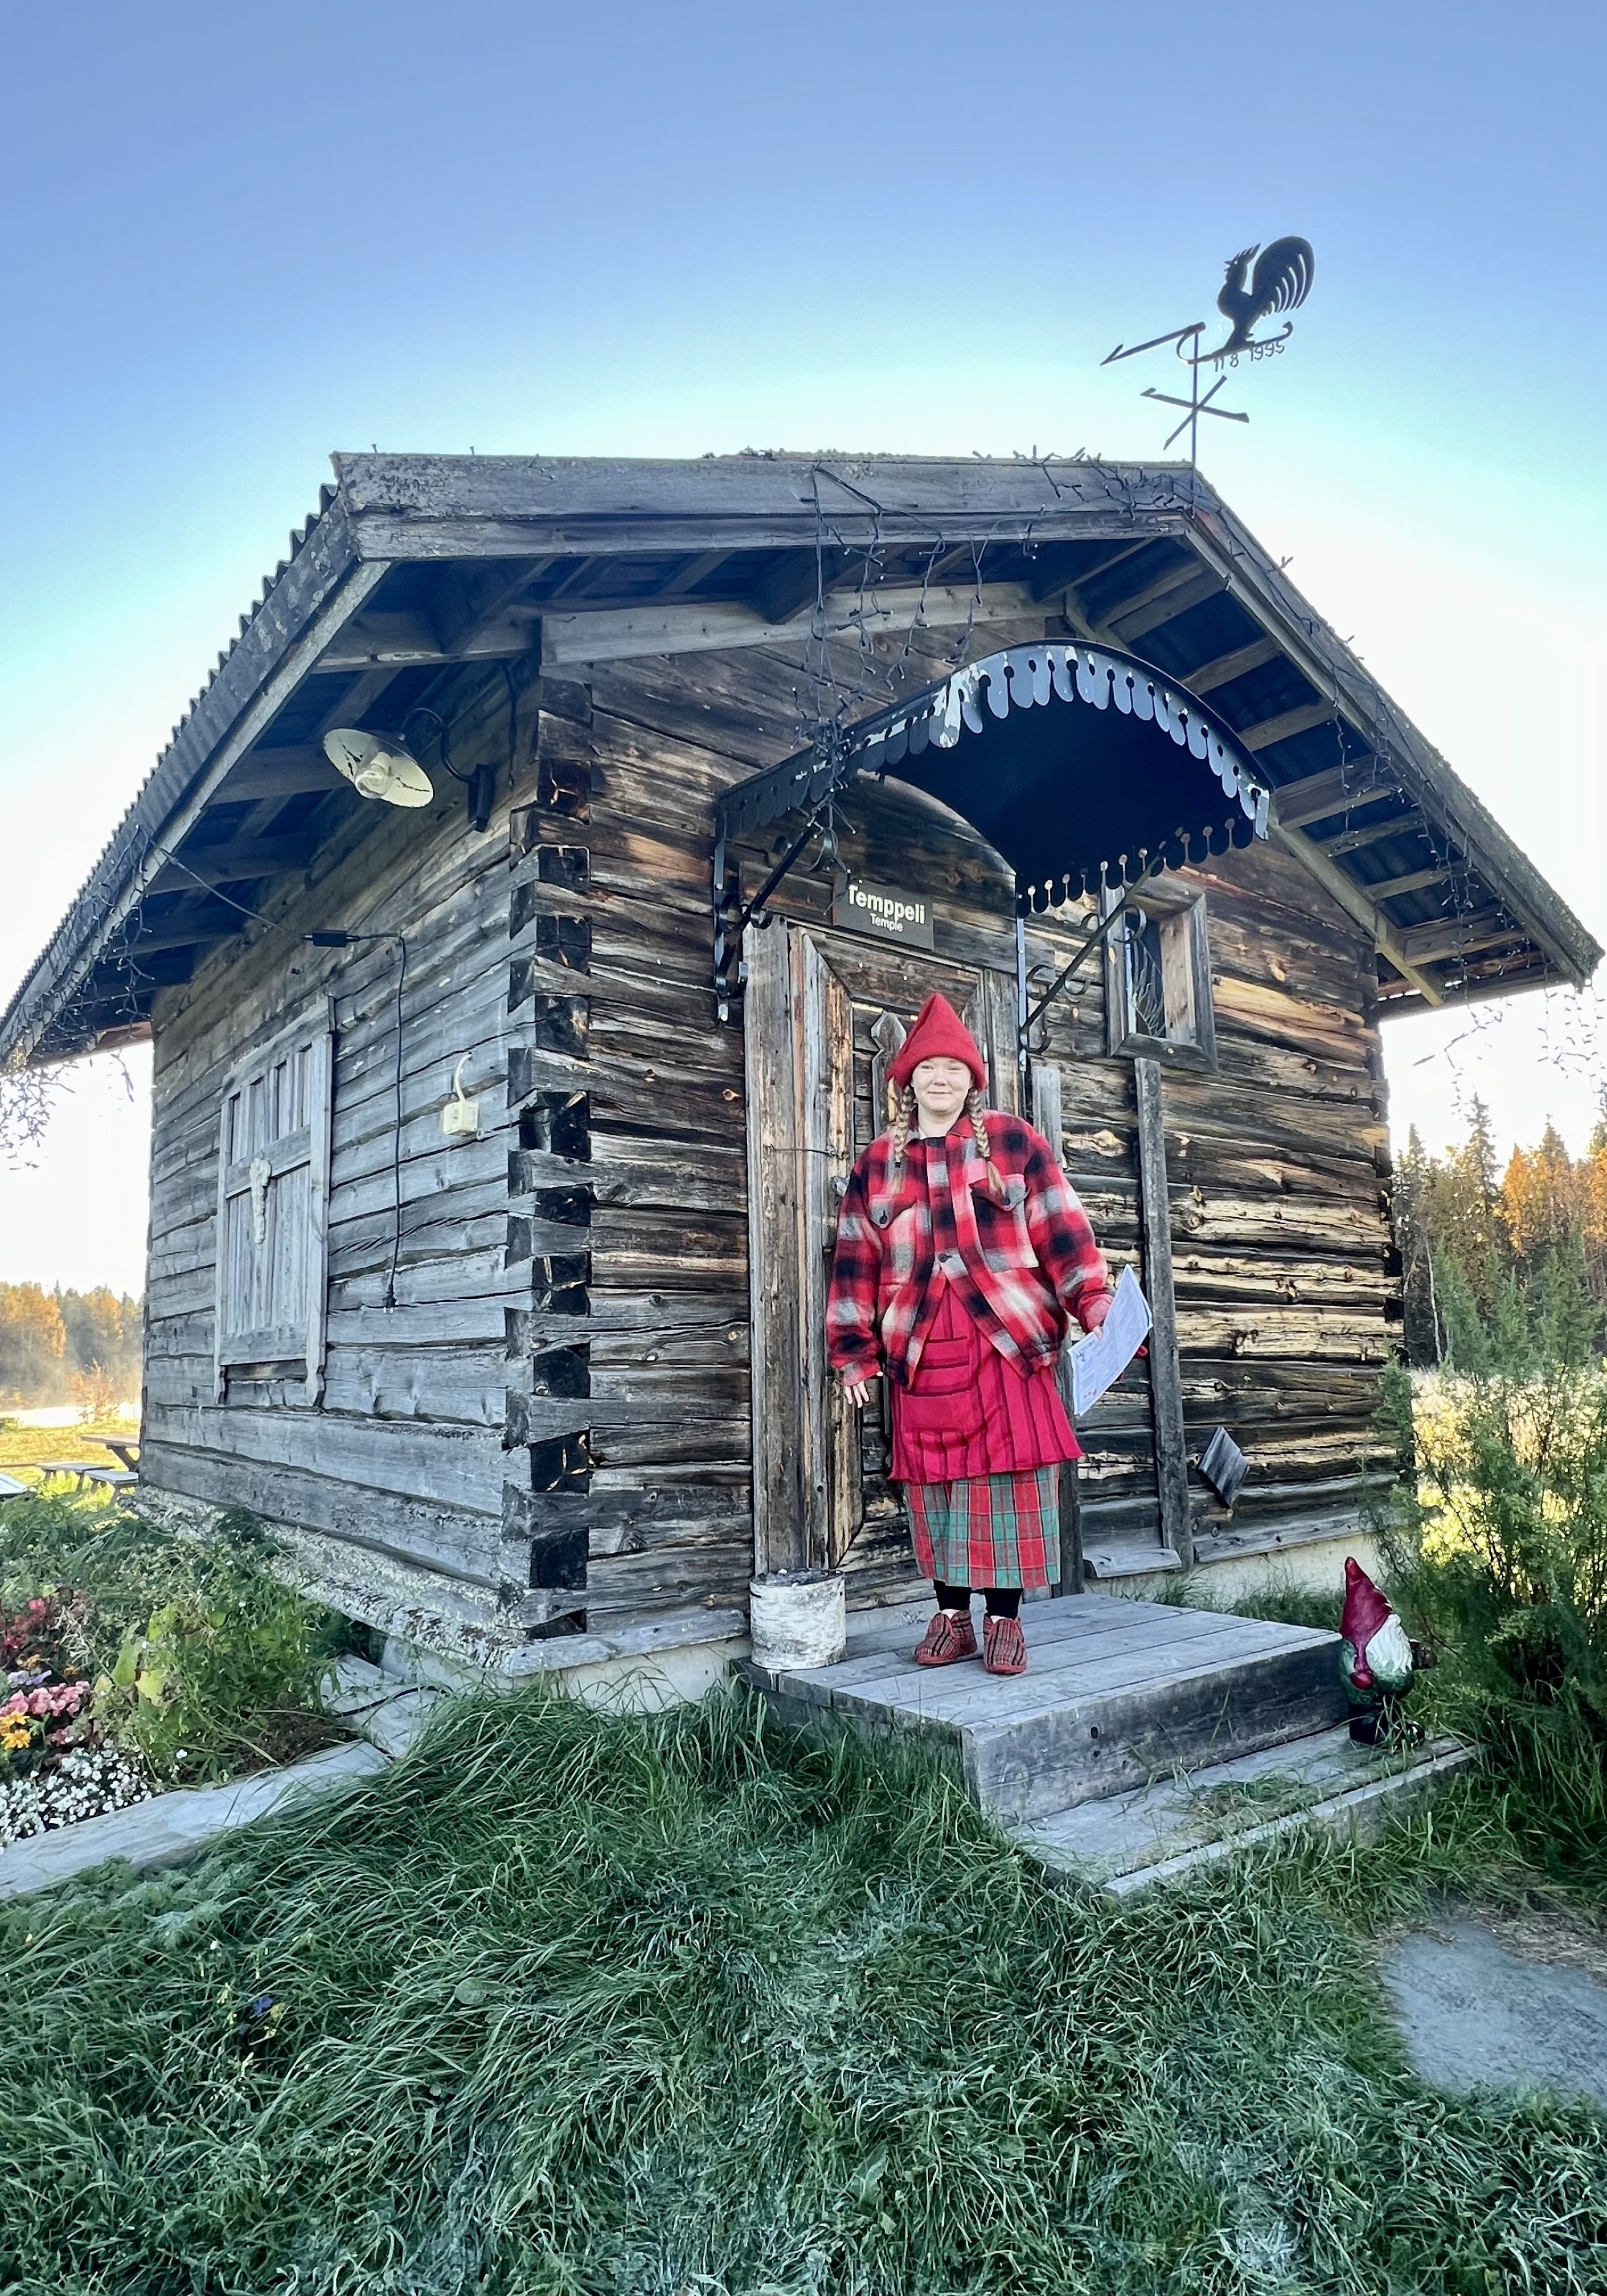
(1017, 1247)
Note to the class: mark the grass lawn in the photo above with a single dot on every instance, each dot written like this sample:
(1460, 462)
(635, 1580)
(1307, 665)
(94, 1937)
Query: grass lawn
(22, 1449)
(682, 2005)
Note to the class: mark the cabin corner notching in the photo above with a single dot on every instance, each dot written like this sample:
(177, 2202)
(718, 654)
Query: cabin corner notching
(554, 1382)
(546, 1428)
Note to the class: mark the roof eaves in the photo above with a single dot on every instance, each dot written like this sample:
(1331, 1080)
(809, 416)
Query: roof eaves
(322, 556)
(1333, 668)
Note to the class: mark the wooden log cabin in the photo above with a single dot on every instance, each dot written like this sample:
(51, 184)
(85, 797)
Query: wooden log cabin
(499, 1138)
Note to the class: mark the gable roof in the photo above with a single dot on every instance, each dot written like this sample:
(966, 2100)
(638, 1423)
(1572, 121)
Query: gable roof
(416, 569)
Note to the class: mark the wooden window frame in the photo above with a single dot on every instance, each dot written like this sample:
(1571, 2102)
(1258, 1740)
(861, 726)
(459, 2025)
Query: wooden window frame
(1185, 957)
(234, 1348)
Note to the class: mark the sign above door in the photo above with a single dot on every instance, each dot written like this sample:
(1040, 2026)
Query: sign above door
(887, 912)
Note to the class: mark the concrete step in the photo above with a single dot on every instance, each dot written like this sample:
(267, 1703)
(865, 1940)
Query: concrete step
(1169, 1829)
(1117, 1692)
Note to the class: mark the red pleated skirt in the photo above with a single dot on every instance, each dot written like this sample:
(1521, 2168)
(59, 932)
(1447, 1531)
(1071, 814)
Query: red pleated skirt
(969, 1412)
(977, 1444)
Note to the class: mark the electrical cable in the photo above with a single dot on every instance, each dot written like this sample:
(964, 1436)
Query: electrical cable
(257, 916)
(423, 709)
(396, 1157)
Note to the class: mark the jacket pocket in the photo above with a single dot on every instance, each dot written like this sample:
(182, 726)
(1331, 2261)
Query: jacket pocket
(958, 1413)
(1004, 1235)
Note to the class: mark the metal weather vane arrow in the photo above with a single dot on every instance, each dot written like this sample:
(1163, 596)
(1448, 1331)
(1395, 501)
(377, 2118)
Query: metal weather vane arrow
(1281, 282)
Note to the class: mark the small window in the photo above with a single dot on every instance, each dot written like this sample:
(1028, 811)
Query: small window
(273, 1214)
(1158, 978)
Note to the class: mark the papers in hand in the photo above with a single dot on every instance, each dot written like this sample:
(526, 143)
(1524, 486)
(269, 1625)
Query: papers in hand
(1098, 1361)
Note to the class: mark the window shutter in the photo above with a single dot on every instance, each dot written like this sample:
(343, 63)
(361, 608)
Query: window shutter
(273, 1210)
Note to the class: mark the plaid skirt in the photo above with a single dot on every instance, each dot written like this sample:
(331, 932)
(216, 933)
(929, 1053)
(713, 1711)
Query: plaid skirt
(990, 1531)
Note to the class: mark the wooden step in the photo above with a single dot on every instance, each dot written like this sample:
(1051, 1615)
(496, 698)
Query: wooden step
(1167, 1830)
(1116, 1693)
(1129, 1559)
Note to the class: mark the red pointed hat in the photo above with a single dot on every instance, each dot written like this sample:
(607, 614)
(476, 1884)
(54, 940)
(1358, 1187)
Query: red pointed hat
(938, 1035)
(1365, 1609)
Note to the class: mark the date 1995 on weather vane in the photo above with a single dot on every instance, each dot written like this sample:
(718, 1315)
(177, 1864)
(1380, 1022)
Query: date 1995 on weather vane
(1281, 282)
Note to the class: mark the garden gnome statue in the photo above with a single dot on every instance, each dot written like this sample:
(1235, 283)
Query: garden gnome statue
(1375, 1658)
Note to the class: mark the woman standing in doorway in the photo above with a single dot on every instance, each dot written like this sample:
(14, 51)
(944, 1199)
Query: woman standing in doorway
(963, 1254)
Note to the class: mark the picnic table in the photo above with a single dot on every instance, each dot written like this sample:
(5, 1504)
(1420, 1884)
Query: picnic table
(74, 1469)
(10, 1488)
(90, 1471)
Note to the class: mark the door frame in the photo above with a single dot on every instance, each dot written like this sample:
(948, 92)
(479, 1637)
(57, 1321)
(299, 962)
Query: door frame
(801, 1141)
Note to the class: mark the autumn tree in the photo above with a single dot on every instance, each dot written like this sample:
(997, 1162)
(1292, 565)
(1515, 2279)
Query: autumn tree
(52, 1340)
(1541, 1202)
(33, 1343)
(1496, 1267)
(103, 1331)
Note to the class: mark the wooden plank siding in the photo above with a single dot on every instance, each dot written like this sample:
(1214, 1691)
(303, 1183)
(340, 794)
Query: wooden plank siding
(403, 1459)
(553, 1420)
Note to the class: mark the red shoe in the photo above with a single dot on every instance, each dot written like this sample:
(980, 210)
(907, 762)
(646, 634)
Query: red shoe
(1004, 1646)
(950, 1637)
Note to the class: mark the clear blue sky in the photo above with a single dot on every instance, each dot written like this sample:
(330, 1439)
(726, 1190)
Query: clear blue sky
(236, 239)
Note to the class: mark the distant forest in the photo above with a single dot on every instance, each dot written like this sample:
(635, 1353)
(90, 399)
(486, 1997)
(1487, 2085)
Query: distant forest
(1497, 1260)
(1488, 1254)
(68, 1347)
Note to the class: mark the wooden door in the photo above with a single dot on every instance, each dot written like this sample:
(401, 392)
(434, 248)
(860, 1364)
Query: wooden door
(824, 1011)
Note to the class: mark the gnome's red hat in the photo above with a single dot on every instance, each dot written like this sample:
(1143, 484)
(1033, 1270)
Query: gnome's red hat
(1365, 1611)
(938, 1035)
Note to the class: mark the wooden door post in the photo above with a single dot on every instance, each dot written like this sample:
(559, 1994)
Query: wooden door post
(999, 1037)
(774, 1251)
(1045, 1080)
(823, 1025)
(1165, 1373)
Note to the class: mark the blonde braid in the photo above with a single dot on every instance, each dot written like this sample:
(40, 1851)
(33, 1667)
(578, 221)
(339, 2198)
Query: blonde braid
(979, 1133)
(903, 1116)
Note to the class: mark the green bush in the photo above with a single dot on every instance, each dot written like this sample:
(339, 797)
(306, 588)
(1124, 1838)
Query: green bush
(1500, 1560)
(204, 1662)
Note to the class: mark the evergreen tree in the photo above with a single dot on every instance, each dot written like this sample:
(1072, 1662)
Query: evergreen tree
(1422, 1337)
(1503, 1271)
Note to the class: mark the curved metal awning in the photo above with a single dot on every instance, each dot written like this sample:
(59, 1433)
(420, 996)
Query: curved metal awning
(1081, 765)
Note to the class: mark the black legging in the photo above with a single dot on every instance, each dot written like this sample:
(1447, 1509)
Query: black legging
(1003, 1601)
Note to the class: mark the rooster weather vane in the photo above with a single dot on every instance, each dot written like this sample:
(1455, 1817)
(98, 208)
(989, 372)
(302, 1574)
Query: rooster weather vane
(1281, 282)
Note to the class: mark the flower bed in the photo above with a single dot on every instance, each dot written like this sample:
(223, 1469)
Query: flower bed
(135, 1660)
(46, 1690)
(56, 1763)
(86, 1782)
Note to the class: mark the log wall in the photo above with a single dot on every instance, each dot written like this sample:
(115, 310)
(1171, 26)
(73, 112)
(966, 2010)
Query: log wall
(553, 1420)
(404, 1460)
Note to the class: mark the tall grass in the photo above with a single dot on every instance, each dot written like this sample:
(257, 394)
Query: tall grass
(575, 2003)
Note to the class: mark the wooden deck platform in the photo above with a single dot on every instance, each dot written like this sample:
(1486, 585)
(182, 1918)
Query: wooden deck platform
(1118, 1694)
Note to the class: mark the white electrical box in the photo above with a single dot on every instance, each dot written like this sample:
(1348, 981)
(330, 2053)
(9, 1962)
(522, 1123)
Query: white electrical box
(460, 1117)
